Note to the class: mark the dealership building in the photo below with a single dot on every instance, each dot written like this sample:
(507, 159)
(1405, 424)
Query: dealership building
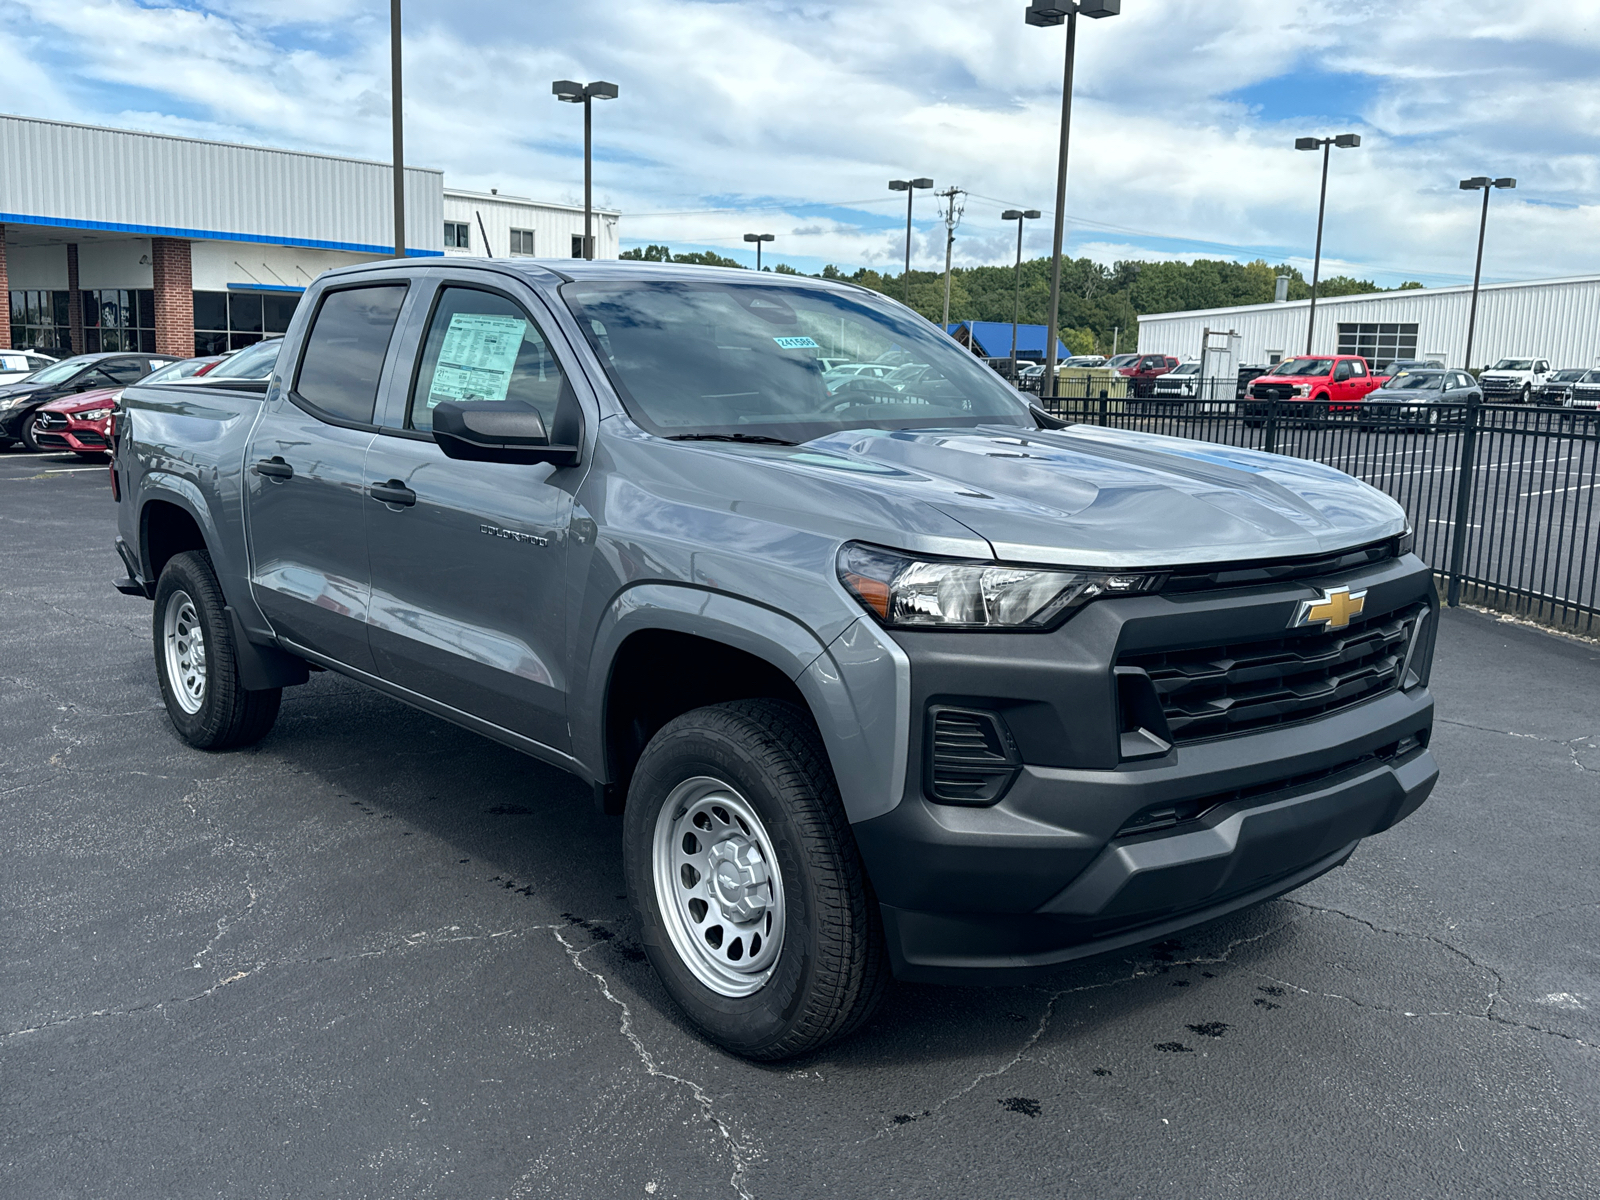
(112, 239)
(1556, 319)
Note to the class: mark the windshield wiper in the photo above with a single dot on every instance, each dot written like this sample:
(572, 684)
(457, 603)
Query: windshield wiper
(756, 438)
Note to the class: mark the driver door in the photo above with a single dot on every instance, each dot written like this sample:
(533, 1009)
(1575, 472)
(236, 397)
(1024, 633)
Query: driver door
(468, 559)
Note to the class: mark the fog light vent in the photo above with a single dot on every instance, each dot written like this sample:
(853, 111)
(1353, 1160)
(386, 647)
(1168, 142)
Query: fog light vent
(971, 756)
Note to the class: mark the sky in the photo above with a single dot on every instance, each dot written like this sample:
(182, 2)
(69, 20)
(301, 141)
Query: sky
(790, 116)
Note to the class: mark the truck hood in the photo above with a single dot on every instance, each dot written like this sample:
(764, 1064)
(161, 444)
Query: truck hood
(1088, 496)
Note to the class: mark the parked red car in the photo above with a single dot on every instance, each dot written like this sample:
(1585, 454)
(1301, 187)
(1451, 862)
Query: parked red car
(82, 423)
(1143, 372)
(1325, 383)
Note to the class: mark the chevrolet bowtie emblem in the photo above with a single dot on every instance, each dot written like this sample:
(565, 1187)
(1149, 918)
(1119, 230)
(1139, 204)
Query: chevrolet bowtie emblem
(1334, 609)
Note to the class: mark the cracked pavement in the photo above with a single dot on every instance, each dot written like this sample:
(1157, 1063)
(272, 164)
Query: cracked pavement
(377, 956)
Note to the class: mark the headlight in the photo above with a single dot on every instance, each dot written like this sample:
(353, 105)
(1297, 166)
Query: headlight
(94, 414)
(12, 401)
(1302, 389)
(916, 593)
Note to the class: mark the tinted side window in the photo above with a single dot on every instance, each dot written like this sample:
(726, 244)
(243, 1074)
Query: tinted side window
(125, 370)
(344, 354)
(481, 346)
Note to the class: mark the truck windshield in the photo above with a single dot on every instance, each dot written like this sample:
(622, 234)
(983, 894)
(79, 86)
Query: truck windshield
(1305, 366)
(1513, 364)
(744, 361)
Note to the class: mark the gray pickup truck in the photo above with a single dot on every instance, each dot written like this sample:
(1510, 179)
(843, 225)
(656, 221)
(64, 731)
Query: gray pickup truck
(882, 678)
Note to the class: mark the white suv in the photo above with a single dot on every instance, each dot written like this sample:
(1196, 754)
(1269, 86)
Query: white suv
(19, 364)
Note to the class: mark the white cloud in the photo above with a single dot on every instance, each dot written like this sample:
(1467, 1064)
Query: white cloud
(755, 103)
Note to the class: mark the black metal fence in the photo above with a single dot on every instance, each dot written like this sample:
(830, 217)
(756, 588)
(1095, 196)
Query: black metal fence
(1502, 496)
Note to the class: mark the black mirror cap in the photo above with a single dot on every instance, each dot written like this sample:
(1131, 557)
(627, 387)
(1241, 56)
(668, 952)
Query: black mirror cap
(485, 431)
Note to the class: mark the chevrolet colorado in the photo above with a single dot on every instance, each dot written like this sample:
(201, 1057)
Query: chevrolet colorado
(907, 680)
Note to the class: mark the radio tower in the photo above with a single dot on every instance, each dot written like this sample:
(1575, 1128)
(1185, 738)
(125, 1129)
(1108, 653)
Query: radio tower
(952, 218)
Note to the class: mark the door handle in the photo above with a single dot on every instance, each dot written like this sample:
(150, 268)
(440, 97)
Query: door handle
(393, 492)
(273, 468)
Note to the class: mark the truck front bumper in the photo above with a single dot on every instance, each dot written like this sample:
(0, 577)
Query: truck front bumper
(998, 894)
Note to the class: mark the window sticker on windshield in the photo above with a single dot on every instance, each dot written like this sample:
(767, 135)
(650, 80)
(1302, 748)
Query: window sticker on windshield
(475, 363)
(797, 343)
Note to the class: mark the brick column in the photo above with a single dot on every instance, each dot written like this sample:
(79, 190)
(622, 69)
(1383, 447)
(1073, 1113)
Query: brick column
(74, 300)
(174, 285)
(5, 295)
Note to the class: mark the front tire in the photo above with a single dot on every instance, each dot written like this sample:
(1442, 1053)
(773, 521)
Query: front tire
(752, 902)
(196, 661)
(29, 441)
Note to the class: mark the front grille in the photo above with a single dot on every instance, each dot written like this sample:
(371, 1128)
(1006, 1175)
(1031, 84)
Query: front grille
(971, 759)
(50, 420)
(1213, 691)
(1273, 391)
(1501, 387)
(54, 440)
(88, 437)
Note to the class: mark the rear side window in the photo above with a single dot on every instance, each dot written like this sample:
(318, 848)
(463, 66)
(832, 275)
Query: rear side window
(125, 370)
(344, 354)
(482, 346)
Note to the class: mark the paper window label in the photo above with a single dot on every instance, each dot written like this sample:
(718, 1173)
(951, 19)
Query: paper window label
(476, 360)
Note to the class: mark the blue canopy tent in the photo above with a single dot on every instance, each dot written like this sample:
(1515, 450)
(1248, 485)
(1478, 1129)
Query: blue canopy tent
(992, 339)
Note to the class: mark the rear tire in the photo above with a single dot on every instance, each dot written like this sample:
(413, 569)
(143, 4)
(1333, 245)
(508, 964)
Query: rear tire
(728, 794)
(196, 661)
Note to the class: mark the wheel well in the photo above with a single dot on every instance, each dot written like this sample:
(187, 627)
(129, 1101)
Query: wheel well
(168, 530)
(658, 675)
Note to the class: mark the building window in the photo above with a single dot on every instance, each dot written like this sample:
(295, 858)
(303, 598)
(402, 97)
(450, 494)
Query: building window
(577, 245)
(40, 321)
(522, 241)
(225, 321)
(1379, 344)
(119, 319)
(457, 235)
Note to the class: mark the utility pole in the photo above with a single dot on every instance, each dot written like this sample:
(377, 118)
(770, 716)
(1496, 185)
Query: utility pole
(399, 151)
(952, 218)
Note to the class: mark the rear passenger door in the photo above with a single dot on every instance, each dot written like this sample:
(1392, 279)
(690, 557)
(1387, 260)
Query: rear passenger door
(468, 558)
(305, 480)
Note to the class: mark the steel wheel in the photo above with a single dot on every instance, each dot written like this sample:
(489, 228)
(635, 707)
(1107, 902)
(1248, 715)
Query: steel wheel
(184, 644)
(718, 886)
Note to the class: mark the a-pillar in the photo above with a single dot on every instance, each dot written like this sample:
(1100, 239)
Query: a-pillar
(174, 288)
(74, 300)
(5, 295)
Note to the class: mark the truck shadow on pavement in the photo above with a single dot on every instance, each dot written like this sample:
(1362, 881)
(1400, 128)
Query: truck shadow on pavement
(531, 831)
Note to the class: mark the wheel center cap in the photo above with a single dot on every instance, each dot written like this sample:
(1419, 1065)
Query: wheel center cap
(739, 879)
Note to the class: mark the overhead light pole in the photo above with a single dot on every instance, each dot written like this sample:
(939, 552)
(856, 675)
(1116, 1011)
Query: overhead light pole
(582, 93)
(1484, 184)
(1019, 215)
(1047, 14)
(1345, 141)
(758, 238)
(399, 149)
(909, 187)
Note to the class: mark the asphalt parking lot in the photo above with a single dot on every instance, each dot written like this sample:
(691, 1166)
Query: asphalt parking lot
(376, 956)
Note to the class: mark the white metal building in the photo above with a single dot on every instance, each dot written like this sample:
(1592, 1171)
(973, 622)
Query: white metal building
(520, 227)
(112, 239)
(1558, 319)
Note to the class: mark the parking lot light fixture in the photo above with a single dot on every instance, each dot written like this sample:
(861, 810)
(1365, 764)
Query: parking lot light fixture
(910, 188)
(1345, 141)
(1046, 14)
(758, 238)
(1479, 183)
(1019, 215)
(572, 92)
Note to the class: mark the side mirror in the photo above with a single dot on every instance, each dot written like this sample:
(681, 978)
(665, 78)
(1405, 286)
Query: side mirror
(487, 431)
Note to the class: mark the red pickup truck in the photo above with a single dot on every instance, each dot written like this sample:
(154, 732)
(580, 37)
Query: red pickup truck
(1143, 372)
(1325, 383)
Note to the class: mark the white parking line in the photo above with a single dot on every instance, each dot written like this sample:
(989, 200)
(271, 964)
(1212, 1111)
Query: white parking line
(1577, 487)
